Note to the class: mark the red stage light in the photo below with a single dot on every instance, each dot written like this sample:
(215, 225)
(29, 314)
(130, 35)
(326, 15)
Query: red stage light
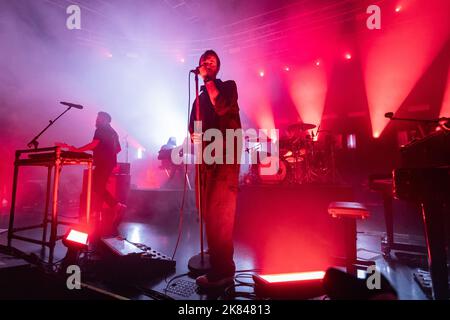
(290, 277)
(393, 60)
(317, 63)
(286, 68)
(445, 108)
(398, 9)
(308, 88)
(351, 141)
(299, 285)
(348, 56)
(77, 237)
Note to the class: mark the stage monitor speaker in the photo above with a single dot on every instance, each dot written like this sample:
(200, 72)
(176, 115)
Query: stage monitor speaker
(124, 260)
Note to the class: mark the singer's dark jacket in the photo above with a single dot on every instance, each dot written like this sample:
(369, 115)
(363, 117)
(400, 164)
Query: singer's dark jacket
(225, 115)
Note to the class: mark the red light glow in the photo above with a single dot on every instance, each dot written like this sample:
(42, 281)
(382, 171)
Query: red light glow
(291, 277)
(445, 109)
(393, 61)
(78, 237)
(308, 88)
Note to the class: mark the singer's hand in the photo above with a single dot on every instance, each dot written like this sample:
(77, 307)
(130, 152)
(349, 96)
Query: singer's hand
(196, 138)
(203, 72)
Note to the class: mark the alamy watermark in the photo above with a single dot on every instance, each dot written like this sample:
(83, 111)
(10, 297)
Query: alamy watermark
(215, 148)
(373, 281)
(74, 279)
(73, 21)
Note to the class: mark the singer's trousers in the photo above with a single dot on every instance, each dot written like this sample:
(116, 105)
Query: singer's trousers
(219, 196)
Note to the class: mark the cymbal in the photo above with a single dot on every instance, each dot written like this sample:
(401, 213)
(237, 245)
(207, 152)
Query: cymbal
(300, 126)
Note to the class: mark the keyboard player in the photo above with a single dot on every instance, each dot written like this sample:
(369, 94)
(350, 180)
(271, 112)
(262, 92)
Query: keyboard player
(105, 146)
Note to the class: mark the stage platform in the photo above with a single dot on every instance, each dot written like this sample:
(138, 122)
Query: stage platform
(277, 229)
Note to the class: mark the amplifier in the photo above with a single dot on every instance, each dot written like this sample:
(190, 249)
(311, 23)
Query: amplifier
(124, 260)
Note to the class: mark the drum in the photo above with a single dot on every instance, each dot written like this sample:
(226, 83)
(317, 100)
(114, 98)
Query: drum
(272, 170)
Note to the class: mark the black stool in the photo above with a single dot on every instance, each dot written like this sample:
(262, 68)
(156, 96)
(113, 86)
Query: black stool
(350, 212)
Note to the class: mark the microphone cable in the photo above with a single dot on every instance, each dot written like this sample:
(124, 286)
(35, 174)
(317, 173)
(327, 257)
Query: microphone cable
(183, 201)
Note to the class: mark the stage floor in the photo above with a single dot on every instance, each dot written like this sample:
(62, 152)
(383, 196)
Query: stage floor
(160, 231)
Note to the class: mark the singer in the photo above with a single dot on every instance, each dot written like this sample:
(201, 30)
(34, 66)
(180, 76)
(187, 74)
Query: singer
(105, 146)
(219, 182)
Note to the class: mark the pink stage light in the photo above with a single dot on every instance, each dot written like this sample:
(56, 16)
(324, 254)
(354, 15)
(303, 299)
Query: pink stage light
(317, 63)
(261, 73)
(398, 8)
(286, 68)
(348, 56)
(296, 276)
(445, 109)
(308, 88)
(351, 141)
(395, 59)
(77, 237)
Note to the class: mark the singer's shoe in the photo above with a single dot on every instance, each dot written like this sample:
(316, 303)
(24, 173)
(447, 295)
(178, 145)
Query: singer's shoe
(208, 282)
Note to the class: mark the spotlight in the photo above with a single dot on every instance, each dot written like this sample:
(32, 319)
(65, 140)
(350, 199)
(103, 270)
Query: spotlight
(261, 73)
(75, 241)
(140, 153)
(348, 56)
(299, 285)
(398, 8)
(286, 68)
(351, 141)
(317, 63)
(376, 134)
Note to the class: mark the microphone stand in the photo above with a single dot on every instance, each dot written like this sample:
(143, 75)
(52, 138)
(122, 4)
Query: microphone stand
(414, 120)
(34, 143)
(443, 122)
(199, 264)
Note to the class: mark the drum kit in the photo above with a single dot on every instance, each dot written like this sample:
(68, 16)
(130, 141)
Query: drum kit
(302, 158)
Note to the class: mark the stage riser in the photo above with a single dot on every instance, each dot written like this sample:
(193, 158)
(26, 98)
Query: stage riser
(284, 228)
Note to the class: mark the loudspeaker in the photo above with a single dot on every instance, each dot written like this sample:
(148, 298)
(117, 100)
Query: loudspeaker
(119, 186)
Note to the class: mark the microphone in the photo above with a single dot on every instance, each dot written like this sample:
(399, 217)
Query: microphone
(196, 71)
(389, 115)
(72, 105)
